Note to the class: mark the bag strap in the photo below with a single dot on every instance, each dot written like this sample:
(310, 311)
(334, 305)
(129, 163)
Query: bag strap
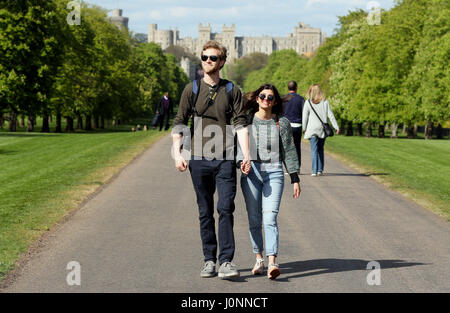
(310, 104)
(196, 91)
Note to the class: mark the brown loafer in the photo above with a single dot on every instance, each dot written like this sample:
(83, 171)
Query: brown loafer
(273, 271)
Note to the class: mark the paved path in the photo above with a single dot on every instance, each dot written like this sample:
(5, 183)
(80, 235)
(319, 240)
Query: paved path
(141, 234)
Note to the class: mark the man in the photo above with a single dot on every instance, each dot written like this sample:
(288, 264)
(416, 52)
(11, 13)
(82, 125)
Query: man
(293, 109)
(211, 110)
(165, 110)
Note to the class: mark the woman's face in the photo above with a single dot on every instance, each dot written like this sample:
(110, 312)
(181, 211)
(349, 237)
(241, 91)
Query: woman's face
(268, 101)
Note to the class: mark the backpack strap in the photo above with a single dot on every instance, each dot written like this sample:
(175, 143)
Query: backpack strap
(194, 96)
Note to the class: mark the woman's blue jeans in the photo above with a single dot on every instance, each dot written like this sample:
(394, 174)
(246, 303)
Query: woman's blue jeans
(317, 156)
(262, 189)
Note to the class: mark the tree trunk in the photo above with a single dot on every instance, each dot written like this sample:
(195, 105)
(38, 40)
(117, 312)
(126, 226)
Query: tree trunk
(50, 118)
(79, 121)
(69, 125)
(439, 131)
(405, 128)
(415, 130)
(30, 124)
(349, 129)
(12, 122)
(102, 122)
(1, 120)
(359, 129)
(394, 130)
(22, 121)
(45, 124)
(429, 130)
(88, 122)
(342, 126)
(96, 122)
(58, 123)
(381, 130)
(410, 131)
(368, 129)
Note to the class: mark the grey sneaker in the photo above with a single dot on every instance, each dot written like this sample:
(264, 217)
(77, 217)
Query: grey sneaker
(209, 269)
(228, 270)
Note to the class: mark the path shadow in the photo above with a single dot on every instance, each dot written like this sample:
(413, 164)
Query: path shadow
(8, 134)
(356, 174)
(325, 266)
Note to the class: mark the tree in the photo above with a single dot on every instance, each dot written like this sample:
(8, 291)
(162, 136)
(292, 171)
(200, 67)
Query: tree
(427, 85)
(31, 53)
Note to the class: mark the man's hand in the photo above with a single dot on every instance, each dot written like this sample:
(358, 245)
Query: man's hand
(297, 190)
(180, 163)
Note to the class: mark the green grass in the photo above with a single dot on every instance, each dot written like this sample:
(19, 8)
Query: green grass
(45, 176)
(420, 169)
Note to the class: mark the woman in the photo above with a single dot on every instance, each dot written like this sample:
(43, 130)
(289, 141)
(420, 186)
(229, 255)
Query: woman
(313, 126)
(263, 186)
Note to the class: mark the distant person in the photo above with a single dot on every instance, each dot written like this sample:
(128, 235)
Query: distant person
(165, 110)
(293, 110)
(313, 126)
(263, 186)
(214, 103)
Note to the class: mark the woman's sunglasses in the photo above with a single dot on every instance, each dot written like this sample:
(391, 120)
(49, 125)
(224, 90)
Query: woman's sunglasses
(263, 96)
(213, 58)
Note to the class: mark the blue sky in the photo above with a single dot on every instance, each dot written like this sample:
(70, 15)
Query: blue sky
(251, 17)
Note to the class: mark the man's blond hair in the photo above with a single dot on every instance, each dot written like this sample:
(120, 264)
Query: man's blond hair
(216, 45)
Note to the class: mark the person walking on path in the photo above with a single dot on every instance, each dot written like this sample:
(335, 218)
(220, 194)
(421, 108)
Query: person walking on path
(263, 186)
(165, 110)
(293, 108)
(213, 109)
(313, 126)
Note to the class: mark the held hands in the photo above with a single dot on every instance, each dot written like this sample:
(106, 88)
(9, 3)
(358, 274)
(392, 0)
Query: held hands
(297, 190)
(246, 166)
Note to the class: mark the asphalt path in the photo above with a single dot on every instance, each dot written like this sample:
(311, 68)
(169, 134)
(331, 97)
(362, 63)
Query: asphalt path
(141, 234)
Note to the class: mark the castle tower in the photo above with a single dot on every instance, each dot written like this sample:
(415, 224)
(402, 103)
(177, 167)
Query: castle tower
(118, 20)
(204, 35)
(152, 28)
(229, 41)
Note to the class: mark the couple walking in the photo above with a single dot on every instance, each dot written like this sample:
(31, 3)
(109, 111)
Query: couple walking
(216, 102)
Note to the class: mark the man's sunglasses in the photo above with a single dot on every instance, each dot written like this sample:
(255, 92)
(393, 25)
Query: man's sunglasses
(213, 58)
(263, 96)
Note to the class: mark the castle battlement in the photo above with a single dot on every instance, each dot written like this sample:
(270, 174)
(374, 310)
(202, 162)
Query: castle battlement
(304, 40)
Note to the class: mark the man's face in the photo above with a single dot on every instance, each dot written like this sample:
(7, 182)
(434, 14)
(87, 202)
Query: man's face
(209, 66)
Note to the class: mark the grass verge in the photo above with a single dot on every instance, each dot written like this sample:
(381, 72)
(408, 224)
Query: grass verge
(419, 169)
(46, 176)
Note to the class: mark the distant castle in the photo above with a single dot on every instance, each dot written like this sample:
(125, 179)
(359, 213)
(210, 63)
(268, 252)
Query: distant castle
(304, 40)
(119, 20)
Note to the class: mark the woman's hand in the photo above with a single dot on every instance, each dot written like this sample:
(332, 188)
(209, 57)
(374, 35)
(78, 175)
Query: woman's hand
(297, 190)
(245, 166)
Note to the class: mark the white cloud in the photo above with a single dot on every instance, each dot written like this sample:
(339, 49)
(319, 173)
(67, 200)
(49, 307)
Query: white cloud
(251, 17)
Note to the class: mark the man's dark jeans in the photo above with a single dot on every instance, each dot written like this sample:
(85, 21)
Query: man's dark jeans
(297, 134)
(206, 175)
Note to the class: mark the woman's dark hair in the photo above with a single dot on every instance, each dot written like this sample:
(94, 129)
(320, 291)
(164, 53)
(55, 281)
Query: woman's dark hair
(252, 106)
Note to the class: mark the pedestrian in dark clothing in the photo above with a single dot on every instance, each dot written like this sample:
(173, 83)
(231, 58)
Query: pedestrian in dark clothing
(165, 110)
(293, 109)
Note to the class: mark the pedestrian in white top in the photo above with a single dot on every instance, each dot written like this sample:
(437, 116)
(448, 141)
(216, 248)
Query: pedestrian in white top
(313, 126)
